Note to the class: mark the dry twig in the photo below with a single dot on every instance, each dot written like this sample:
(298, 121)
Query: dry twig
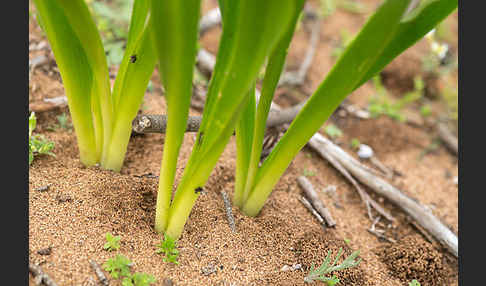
(99, 273)
(417, 211)
(316, 202)
(448, 138)
(229, 211)
(39, 276)
(313, 211)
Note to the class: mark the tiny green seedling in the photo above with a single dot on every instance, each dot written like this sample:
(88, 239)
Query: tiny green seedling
(169, 247)
(309, 173)
(381, 104)
(327, 8)
(414, 283)
(112, 242)
(63, 121)
(118, 267)
(355, 143)
(321, 272)
(37, 144)
(347, 240)
(425, 110)
(352, 6)
(139, 279)
(333, 131)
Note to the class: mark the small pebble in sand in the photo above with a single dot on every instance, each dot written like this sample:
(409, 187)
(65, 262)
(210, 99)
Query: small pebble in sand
(45, 251)
(285, 268)
(365, 151)
(207, 270)
(295, 266)
(43, 189)
(63, 198)
(168, 282)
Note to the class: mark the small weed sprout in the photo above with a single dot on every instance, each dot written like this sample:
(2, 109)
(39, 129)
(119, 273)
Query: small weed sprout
(309, 173)
(425, 110)
(355, 143)
(169, 247)
(352, 6)
(139, 279)
(63, 121)
(118, 267)
(321, 272)
(37, 144)
(333, 131)
(414, 283)
(112, 242)
(382, 105)
(328, 7)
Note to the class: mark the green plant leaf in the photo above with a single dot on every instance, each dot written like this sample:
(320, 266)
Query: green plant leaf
(273, 70)
(244, 138)
(175, 27)
(76, 70)
(131, 83)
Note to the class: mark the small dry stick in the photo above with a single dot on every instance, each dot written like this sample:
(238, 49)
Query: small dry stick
(316, 202)
(229, 212)
(99, 273)
(158, 123)
(48, 104)
(447, 137)
(369, 202)
(417, 211)
(379, 233)
(313, 211)
(39, 276)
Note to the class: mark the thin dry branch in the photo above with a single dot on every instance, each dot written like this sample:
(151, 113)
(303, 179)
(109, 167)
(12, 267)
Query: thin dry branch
(414, 209)
(39, 275)
(313, 211)
(99, 273)
(158, 123)
(448, 138)
(316, 202)
(229, 211)
(48, 104)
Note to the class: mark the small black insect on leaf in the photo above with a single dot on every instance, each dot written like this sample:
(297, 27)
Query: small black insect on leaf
(133, 58)
(198, 190)
(199, 142)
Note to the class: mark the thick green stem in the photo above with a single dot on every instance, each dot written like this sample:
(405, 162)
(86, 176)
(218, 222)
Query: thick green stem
(175, 26)
(129, 89)
(275, 66)
(244, 134)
